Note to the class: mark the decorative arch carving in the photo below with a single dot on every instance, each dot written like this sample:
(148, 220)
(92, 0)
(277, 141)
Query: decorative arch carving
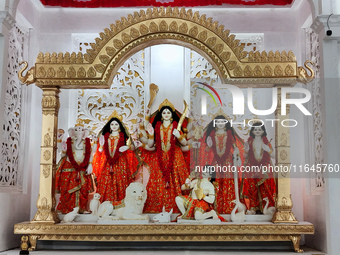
(97, 67)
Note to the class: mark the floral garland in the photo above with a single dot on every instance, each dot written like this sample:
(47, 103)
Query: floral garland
(83, 165)
(221, 159)
(165, 170)
(121, 142)
(265, 157)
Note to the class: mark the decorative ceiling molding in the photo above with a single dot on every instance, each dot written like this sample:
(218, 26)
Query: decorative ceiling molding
(321, 22)
(159, 3)
(98, 66)
(6, 19)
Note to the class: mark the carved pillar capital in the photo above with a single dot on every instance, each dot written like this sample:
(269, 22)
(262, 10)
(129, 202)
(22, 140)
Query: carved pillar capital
(50, 101)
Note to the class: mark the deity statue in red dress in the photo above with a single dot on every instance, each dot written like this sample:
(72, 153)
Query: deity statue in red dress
(162, 153)
(199, 204)
(113, 163)
(220, 149)
(260, 184)
(73, 181)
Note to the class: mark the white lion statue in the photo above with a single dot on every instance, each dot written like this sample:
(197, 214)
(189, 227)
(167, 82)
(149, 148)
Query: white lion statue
(130, 208)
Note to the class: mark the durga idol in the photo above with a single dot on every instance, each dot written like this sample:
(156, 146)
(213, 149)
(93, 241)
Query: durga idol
(168, 169)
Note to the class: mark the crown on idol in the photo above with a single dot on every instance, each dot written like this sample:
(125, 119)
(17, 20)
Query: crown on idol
(116, 115)
(221, 112)
(166, 102)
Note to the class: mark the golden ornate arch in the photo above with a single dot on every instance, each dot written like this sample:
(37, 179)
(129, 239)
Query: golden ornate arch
(96, 69)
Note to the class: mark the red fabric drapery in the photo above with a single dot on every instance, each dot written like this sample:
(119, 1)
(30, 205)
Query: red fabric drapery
(157, 3)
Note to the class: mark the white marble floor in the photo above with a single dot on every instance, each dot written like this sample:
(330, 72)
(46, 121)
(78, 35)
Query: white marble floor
(307, 251)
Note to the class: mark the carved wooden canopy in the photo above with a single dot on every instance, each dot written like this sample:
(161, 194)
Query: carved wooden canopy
(98, 66)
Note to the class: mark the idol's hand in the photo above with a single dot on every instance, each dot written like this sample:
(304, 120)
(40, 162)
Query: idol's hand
(209, 141)
(150, 129)
(246, 147)
(138, 143)
(63, 146)
(236, 152)
(123, 148)
(89, 169)
(196, 145)
(101, 140)
(176, 133)
(265, 147)
(187, 182)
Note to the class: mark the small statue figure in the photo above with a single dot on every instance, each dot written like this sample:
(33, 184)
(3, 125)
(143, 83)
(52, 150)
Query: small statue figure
(199, 204)
(238, 214)
(163, 217)
(268, 210)
(69, 217)
(130, 208)
(73, 180)
(94, 204)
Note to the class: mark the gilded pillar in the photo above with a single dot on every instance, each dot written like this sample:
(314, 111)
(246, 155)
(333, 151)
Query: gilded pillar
(46, 201)
(284, 202)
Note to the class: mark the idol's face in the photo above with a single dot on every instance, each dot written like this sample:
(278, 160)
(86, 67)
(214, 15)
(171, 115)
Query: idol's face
(114, 125)
(79, 130)
(258, 131)
(166, 114)
(220, 123)
(206, 174)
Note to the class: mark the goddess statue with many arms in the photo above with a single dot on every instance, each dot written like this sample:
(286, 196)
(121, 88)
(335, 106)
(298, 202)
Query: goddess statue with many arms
(161, 151)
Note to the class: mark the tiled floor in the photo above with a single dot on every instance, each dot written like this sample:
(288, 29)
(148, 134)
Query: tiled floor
(307, 251)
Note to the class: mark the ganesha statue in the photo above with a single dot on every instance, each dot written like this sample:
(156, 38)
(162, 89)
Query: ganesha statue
(73, 180)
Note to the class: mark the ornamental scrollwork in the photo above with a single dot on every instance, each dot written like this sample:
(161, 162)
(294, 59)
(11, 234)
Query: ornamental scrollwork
(10, 173)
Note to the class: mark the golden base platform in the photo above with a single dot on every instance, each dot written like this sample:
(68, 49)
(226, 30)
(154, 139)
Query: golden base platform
(165, 232)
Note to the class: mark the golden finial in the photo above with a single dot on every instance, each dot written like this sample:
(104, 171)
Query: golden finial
(166, 102)
(115, 114)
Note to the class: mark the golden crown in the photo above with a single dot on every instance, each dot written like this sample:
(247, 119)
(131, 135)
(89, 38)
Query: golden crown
(166, 102)
(115, 114)
(221, 112)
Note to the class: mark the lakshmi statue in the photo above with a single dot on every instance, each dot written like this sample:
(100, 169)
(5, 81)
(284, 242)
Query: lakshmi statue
(221, 151)
(73, 180)
(257, 186)
(113, 164)
(162, 153)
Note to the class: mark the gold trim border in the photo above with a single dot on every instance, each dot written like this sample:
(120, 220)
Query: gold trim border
(131, 232)
(165, 232)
